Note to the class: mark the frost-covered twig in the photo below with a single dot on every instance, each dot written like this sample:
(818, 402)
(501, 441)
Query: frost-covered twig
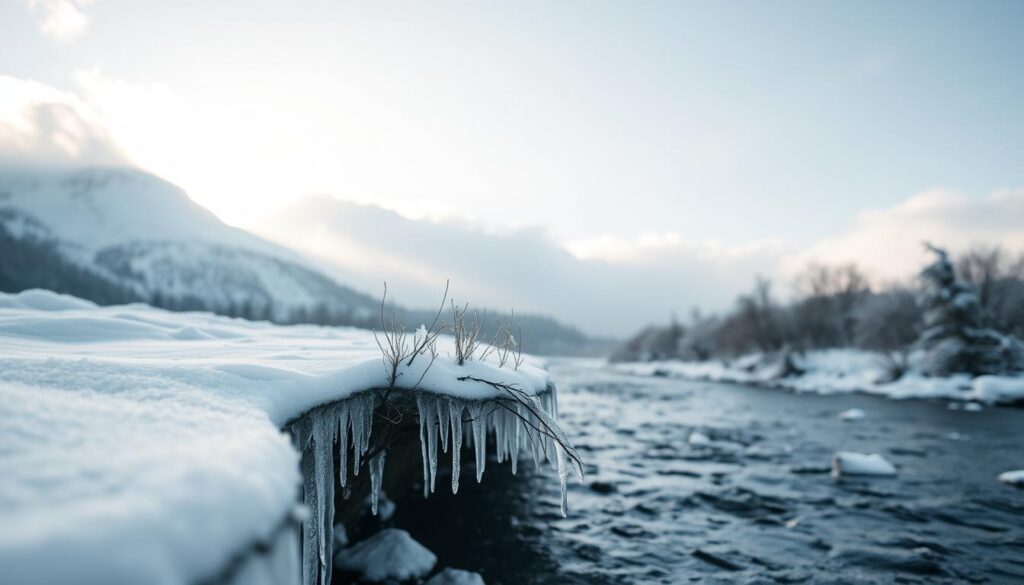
(426, 336)
(395, 347)
(504, 342)
(518, 350)
(551, 428)
(467, 335)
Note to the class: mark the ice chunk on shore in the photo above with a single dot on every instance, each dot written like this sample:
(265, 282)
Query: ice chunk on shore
(451, 576)
(391, 554)
(1014, 478)
(698, 439)
(998, 389)
(849, 463)
(851, 414)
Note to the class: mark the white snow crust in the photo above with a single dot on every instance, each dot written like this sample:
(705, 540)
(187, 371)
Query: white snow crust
(837, 371)
(143, 446)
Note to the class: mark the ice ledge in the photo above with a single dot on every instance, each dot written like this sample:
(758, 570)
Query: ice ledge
(356, 432)
(157, 434)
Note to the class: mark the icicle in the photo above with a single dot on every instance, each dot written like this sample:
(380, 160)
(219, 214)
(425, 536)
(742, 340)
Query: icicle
(553, 391)
(516, 439)
(423, 408)
(563, 476)
(342, 411)
(443, 420)
(362, 426)
(376, 478)
(311, 525)
(499, 435)
(324, 426)
(432, 447)
(455, 408)
(476, 413)
(356, 418)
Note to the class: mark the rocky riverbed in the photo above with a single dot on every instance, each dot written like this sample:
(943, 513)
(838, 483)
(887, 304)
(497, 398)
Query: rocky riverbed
(715, 483)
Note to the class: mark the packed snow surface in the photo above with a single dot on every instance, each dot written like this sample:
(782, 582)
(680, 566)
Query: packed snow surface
(837, 371)
(391, 554)
(848, 463)
(142, 446)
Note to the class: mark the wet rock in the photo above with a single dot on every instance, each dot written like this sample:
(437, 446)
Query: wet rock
(679, 473)
(919, 561)
(745, 503)
(808, 469)
(601, 487)
(631, 531)
(716, 560)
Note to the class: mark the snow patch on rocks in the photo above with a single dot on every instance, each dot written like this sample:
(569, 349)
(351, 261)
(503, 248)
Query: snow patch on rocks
(850, 463)
(391, 554)
(1014, 478)
(851, 414)
(451, 576)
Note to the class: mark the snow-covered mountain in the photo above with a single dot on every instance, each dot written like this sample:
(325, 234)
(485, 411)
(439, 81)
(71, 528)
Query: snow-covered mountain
(120, 234)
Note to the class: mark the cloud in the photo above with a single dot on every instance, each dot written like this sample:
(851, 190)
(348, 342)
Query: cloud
(61, 20)
(42, 125)
(524, 268)
(611, 285)
(888, 242)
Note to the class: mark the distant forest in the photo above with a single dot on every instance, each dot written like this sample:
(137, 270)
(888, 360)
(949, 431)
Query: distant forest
(838, 307)
(29, 262)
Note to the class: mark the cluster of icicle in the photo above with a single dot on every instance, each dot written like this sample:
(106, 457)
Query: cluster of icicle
(527, 422)
(316, 435)
(523, 421)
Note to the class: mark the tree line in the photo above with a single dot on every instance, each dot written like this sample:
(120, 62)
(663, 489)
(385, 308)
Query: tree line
(837, 306)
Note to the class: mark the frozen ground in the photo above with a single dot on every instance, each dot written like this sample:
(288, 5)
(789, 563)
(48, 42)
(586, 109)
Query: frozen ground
(141, 446)
(837, 371)
(754, 503)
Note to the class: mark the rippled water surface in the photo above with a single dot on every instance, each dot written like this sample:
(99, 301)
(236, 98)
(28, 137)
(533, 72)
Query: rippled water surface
(756, 505)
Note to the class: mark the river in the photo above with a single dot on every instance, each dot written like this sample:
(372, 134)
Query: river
(755, 505)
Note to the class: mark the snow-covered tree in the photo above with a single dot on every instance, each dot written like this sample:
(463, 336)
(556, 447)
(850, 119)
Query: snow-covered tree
(955, 338)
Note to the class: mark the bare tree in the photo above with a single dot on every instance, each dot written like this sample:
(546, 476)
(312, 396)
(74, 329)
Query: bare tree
(999, 282)
(889, 322)
(827, 298)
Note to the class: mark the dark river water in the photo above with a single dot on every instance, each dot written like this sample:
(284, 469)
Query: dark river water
(756, 505)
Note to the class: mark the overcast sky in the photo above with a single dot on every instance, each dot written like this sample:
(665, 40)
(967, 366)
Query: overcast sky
(630, 132)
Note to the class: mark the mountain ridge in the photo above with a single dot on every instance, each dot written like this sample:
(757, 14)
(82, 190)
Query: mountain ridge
(118, 234)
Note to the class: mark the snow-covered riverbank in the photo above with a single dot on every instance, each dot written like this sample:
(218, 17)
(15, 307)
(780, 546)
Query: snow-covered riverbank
(837, 371)
(143, 446)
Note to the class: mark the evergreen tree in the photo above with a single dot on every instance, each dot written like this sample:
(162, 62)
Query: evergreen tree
(955, 339)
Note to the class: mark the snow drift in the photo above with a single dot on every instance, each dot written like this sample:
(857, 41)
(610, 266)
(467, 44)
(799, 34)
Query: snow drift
(837, 371)
(143, 446)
